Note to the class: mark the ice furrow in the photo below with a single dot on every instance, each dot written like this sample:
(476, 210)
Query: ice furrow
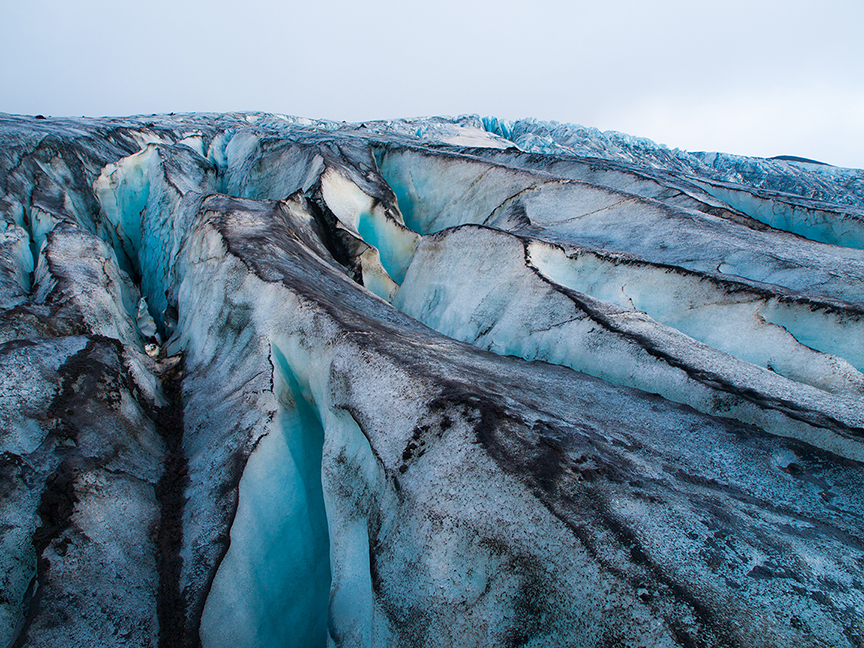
(445, 192)
(148, 200)
(730, 316)
(691, 240)
(814, 221)
(508, 309)
(279, 531)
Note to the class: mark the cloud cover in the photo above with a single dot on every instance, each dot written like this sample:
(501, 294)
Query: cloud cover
(763, 78)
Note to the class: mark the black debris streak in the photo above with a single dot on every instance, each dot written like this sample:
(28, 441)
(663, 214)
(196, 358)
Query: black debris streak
(543, 460)
(171, 495)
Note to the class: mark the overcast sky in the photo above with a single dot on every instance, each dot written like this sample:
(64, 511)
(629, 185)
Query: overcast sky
(755, 77)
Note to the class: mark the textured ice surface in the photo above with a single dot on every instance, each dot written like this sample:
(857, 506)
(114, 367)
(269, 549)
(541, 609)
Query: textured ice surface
(526, 299)
(817, 181)
(274, 381)
(809, 219)
(733, 317)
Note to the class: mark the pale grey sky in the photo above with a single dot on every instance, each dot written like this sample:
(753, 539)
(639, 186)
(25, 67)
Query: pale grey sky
(755, 77)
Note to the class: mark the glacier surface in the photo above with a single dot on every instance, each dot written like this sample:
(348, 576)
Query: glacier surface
(274, 381)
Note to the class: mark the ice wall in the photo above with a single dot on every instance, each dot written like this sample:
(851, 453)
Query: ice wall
(273, 585)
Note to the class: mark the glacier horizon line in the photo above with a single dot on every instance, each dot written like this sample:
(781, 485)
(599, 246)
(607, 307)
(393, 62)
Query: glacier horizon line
(463, 119)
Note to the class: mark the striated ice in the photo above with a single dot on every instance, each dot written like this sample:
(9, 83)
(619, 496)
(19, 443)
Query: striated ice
(276, 381)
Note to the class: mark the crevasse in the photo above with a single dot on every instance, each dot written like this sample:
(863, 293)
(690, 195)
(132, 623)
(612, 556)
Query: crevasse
(273, 585)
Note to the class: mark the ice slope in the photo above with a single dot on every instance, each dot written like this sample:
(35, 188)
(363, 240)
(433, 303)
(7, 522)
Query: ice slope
(439, 191)
(811, 199)
(786, 174)
(530, 300)
(240, 406)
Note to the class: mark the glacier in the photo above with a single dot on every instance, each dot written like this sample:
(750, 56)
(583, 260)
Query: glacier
(277, 381)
